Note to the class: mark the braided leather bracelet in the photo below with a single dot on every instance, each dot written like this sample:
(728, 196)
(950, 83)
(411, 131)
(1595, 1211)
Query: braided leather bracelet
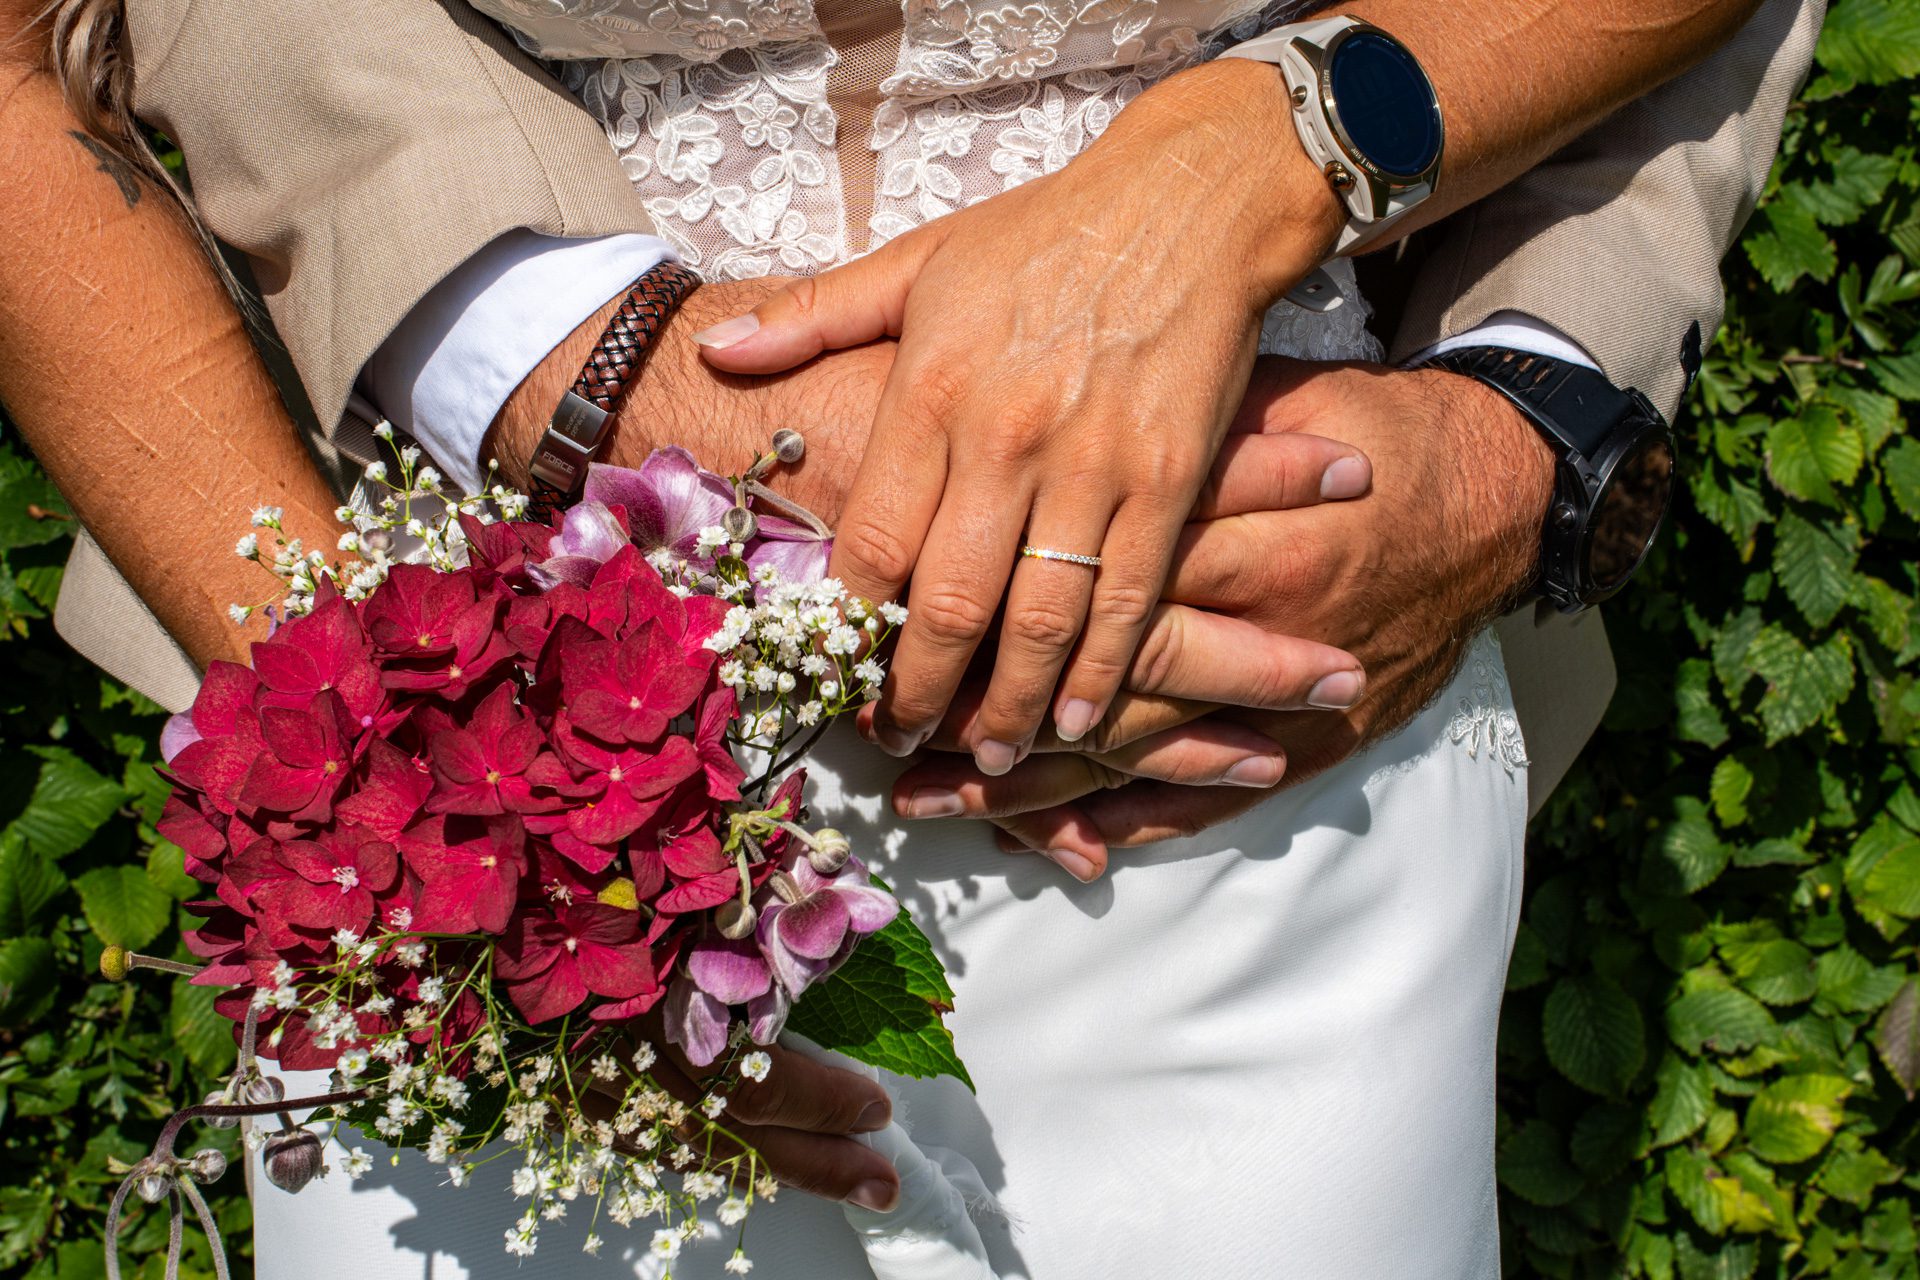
(583, 420)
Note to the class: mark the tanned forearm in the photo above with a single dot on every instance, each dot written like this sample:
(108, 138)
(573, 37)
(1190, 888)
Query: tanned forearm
(724, 420)
(130, 372)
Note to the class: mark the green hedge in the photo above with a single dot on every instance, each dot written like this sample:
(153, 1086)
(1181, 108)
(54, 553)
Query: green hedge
(1710, 1050)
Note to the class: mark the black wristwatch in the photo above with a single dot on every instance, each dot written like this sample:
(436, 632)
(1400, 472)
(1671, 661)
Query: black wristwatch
(1614, 471)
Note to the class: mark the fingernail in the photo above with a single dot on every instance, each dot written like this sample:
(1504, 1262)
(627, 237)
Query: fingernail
(1256, 771)
(1074, 865)
(727, 332)
(895, 741)
(1336, 692)
(877, 1115)
(1075, 719)
(994, 757)
(1344, 478)
(878, 1195)
(935, 802)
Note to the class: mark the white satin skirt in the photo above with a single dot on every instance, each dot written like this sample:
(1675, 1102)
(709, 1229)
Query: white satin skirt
(1264, 1053)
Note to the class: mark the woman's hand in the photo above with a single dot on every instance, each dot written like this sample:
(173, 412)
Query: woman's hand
(1072, 352)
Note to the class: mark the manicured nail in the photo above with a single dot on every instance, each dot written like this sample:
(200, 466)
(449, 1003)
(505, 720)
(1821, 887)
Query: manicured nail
(875, 1118)
(1074, 865)
(994, 757)
(935, 802)
(1345, 478)
(1075, 719)
(727, 332)
(1336, 692)
(1256, 771)
(895, 741)
(877, 1195)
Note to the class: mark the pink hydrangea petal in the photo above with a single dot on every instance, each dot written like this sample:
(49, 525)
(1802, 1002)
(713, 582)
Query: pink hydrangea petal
(814, 927)
(695, 1021)
(767, 1015)
(177, 734)
(869, 908)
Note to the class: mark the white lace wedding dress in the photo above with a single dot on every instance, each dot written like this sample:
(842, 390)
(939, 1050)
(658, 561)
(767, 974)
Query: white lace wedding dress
(1264, 1052)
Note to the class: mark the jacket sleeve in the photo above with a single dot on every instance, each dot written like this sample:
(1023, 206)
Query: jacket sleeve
(1616, 240)
(358, 153)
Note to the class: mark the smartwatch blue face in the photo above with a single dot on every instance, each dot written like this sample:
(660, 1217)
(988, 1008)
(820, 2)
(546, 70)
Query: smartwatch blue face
(1385, 104)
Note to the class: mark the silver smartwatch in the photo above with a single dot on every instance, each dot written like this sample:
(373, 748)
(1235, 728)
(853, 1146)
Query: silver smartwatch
(1366, 113)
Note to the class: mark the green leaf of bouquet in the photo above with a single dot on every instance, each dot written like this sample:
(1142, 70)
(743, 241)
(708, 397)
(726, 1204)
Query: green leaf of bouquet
(1792, 1119)
(124, 906)
(27, 980)
(1533, 1165)
(1814, 568)
(70, 801)
(885, 1006)
(1593, 1033)
(203, 1034)
(1897, 1037)
(1875, 41)
(1718, 1018)
(29, 885)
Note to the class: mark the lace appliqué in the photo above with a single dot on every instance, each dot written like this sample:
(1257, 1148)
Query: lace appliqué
(1483, 717)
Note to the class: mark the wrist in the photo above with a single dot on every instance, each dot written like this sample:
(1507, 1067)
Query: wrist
(1504, 483)
(1231, 121)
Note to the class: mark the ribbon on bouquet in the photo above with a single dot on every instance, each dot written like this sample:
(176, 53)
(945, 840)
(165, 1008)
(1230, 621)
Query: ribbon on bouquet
(930, 1235)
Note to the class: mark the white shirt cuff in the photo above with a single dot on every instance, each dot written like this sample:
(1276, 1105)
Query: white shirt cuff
(444, 372)
(1517, 331)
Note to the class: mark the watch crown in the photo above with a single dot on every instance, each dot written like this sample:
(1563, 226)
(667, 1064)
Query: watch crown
(1299, 97)
(1564, 515)
(1337, 174)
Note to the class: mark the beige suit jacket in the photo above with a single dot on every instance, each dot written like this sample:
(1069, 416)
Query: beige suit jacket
(355, 154)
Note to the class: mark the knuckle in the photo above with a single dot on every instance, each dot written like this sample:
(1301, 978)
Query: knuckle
(876, 550)
(935, 391)
(1042, 626)
(1020, 431)
(1158, 656)
(1124, 604)
(762, 1103)
(951, 617)
(1112, 733)
(1106, 776)
(803, 295)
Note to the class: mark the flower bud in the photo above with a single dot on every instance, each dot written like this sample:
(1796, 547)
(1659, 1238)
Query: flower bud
(154, 1183)
(220, 1098)
(206, 1165)
(293, 1158)
(735, 919)
(264, 1089)
(830, 851)
(739, 524)
(113, 964)
(788, 445)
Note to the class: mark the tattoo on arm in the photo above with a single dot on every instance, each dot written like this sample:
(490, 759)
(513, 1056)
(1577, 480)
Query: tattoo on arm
(124, 175)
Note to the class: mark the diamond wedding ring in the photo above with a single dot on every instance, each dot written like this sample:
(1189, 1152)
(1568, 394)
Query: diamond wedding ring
(1066, 557)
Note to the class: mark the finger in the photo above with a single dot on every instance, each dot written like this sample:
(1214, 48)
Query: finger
(830, 1167)
(1280, 473)
(856, 303)
(803, 1094)
(1134, 561)
(1202, 656)
(1129, 718)
(1204, 754)
(957, 585)
(1045, 611)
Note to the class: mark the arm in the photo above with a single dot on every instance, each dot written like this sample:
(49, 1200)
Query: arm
(1068, 365)
(127, 368)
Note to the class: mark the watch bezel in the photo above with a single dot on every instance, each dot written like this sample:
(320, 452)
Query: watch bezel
(1620, 447)
(1385, 183)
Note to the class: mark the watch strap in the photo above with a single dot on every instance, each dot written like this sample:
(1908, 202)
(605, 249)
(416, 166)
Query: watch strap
(583, 420)
(1574, 406)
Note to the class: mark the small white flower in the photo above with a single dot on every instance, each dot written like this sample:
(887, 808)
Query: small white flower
(808, 715)
(343, 513)
(239, 613)
(376, 471)
(266, 517)
(713, 1104)
(383, 429)
(830, 689)
(433, 990)
(732, 1211)
(739, 1264)
(349, 541)
(410, 454)
(755, 1066)
(605, 1068)
(248, 547)
(592, 1245)
(643, 1056)
(870, 672)
(666, 1244)
(894, 613)
(525, 1180)
(358, 1162)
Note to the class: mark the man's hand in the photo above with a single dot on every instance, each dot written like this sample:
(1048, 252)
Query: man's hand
(726, 420)
(801, 1120)
(1403, 579)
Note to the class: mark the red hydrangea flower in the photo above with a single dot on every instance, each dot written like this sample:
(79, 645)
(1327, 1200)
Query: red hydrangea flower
(469, 869)
(551, 961)
(331, 881)
(309, 757)
(324, 650)
(481, 768)
(628, 690)
(622, 787)
(216, 763)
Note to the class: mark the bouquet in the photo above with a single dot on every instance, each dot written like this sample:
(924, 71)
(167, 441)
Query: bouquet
(482, 821)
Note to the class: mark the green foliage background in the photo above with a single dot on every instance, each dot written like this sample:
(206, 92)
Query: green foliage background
(1712, 1039)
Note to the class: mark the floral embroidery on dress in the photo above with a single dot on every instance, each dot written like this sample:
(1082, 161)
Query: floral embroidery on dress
(1483, 716)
